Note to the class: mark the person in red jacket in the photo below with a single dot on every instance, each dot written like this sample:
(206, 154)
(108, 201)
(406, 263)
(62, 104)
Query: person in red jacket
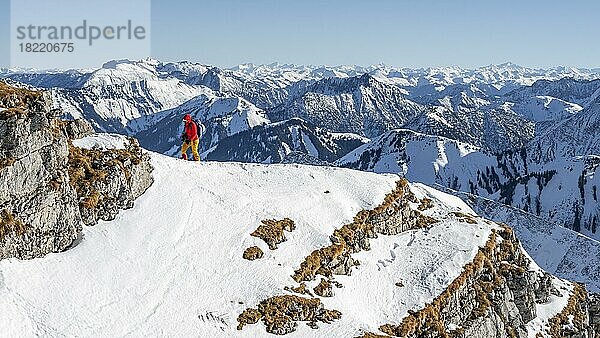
(190, 138)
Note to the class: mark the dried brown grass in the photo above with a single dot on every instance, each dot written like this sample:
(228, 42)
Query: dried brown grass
(253, 253)
(279, 311)
(573, 308)
(344, 240)
(6, 162)
(10, 224)
(272, 231)
(18, 101)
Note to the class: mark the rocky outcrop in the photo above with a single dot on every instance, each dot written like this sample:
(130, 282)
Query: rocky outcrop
(42, 209)
(594, 310)
(76, 129)
(281, 314)
(392, 217)
(272, 231)
(35, 188)
(574, 319)
(107, 181)
(495, 296)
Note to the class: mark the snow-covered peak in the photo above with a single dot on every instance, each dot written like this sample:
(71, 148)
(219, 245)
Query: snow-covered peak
(546, 108)
(121, 72)
(239, 114)
(178, 254)
(419, 157)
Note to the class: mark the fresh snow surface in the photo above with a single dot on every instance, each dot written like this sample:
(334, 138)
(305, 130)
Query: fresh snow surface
(424, 158)
(538, 326)
(547, 108)
(172, 265)
(102, 141)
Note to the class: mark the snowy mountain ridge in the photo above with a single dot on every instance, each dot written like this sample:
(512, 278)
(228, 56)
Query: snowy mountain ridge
(188, 262)
(562, 190)
(501, 110)
(242, 249)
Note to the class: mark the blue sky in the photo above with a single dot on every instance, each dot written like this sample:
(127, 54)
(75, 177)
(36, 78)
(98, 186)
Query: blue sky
(395, 32)
(86, 52)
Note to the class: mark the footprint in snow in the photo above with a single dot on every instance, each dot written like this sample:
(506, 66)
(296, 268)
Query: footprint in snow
(218, 320)
(412, 239)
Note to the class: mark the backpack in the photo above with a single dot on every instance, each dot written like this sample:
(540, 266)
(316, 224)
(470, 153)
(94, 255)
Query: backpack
(200, 128)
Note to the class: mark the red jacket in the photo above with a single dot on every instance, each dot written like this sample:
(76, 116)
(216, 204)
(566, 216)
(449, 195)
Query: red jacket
(190, 131)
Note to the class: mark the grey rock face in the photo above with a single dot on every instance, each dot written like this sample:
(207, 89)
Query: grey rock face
(522, 288)
(544, 288)
(35, 188)
(511, 303)
(128, 173)
(36, 191)
(594, 311)
(397, 219)
(78, 128)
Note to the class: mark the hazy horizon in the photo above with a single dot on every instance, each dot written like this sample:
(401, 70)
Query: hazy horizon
(312, 65)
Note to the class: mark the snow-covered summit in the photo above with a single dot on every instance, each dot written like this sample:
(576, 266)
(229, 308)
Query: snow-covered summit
(178, 254)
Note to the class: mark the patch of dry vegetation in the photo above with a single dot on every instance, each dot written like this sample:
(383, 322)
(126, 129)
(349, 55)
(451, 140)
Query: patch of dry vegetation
(281, 313)
(6, 162)
(88, 167)
(272, 231)
(575, 309)
(10, 224)
(352, 237)
(300, 289)
(18, 101)
(318, 263)
(462, 217)
(249, 316)
(324, 288)
(253, 253)
(84, 171)
(55, 184)
(426, 203)
(427, 320)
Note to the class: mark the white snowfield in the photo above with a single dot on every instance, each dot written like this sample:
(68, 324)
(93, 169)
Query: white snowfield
(172, 265)
(102, 141)
(538, 326)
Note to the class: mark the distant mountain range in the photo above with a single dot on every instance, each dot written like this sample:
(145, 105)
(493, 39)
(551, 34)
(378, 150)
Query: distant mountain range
(528, 138)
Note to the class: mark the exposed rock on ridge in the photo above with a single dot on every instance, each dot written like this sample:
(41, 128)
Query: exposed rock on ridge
(41, 203)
